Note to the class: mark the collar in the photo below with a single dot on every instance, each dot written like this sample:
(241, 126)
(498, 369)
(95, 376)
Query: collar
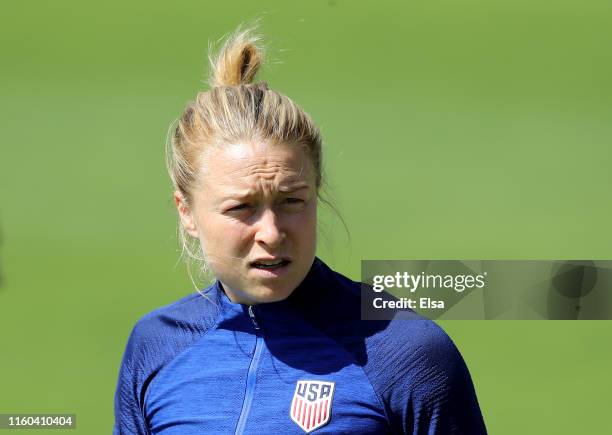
(281, 314)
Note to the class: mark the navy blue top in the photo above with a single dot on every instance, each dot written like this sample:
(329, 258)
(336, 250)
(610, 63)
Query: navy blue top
(305, 364)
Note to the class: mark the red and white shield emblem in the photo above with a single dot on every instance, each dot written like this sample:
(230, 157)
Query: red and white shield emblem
(311, 404)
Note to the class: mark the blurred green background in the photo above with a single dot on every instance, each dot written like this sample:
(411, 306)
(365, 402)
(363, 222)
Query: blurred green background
(453, 130)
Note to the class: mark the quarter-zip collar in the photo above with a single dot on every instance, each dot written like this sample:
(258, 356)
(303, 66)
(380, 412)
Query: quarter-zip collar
(271, 315)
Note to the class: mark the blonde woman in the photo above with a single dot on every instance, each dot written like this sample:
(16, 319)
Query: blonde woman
(276, 345)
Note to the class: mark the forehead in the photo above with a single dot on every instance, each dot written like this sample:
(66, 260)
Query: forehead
(242, 165)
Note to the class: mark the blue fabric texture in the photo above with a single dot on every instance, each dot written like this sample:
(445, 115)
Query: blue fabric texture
(206, 365)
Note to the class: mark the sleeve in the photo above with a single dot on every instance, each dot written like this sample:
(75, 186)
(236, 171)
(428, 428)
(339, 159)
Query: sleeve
(129, 415)
(432, 392)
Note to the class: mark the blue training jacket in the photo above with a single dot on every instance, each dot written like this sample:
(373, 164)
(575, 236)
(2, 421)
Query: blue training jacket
(206, 365)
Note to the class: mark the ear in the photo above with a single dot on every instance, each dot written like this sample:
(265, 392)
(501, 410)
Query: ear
(187, 218)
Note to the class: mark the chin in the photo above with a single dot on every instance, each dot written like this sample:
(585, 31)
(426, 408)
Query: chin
(265, 293)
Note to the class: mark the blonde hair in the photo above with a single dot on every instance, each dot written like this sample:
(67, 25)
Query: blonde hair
(233, 110)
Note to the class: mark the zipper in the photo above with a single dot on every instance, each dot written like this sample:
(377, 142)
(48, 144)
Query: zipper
(253, 318)
(251, 375)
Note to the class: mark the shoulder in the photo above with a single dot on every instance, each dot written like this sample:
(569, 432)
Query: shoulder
(404, 333)
(194, 310)
(417, 351)
(167, 329)
(413, 365)
(403, 342)
(156, 339)
(160, 335)
(423, 381)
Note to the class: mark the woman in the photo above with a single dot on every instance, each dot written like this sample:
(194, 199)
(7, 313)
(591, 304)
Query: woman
(276, 345)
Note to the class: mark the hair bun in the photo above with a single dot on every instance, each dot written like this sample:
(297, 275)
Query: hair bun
(238, 60)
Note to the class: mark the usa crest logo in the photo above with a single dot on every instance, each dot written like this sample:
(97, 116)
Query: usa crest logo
(311, 404)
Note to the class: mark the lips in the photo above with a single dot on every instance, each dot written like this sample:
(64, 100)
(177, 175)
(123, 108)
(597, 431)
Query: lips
(270, 263)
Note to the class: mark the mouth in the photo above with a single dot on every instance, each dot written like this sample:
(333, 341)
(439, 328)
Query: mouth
(270, 264)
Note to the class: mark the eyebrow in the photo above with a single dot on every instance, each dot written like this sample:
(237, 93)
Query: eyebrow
(242, 194)
(294, 188)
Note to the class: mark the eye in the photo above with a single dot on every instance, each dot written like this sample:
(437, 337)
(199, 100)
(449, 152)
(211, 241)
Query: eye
(293, 204)
(239, 207)
(293, 200)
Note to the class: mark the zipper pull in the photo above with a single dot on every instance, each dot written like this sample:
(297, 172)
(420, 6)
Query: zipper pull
(253, 318)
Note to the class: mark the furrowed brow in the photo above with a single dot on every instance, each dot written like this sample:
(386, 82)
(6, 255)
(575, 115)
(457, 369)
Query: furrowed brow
(293, 187)
(239, 194)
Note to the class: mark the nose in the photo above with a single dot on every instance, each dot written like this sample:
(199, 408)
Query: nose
(268, 231)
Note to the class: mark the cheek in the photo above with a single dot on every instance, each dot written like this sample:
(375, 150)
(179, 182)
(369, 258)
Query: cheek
(304, 224)
(222, 234)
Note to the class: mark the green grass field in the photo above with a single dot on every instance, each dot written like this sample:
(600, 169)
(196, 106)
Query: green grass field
(453, 130)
